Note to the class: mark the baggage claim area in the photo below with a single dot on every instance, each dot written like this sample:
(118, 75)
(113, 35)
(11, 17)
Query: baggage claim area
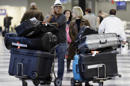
(10, 72)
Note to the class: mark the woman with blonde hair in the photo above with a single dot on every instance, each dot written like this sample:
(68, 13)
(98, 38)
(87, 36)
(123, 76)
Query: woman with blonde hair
(75, 26)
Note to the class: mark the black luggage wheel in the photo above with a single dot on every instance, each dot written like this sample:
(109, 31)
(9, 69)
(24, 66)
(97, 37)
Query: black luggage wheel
(24, 83)
(74, 83)
(57, 82)
(36, 82)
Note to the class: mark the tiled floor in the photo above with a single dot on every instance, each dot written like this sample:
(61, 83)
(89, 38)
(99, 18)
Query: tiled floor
(6, 80)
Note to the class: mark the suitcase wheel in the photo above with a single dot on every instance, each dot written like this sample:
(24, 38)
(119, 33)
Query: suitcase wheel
(24, 83)
(46, 81)
(34, 75)
(36, 82)
(74, 83)
(58, 82)
(100, 83)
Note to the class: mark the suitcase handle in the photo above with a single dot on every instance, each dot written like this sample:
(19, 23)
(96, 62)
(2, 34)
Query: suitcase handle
(83, 67)
(103, 42)
(20, 69)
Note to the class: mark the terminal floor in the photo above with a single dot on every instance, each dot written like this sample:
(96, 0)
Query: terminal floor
(6, 80)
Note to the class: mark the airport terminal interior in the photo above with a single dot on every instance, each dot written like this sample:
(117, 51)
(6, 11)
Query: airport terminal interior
(16, 9)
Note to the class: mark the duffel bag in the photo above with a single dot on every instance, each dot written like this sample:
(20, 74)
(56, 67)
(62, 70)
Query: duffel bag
(44, 43)
(28, 27)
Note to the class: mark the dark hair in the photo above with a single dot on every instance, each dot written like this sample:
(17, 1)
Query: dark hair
(70, 18)
(112, 12)
(99, 11)
(88, 10)
(33, 7)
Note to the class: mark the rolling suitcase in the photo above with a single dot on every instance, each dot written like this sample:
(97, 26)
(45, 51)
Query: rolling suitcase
(32, 64)
(44, 43)
(99, 41)
(101, 65)
(76, 73)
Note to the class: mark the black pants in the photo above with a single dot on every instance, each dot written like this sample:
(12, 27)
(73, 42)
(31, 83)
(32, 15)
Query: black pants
(68, 63)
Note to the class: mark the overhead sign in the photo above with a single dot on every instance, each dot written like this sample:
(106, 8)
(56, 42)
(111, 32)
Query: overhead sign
(2, 11)
(64, 1)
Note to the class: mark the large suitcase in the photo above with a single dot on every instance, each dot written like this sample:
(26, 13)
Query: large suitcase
(99, 41)
(44, 43)
(101, 65)
(31, 64)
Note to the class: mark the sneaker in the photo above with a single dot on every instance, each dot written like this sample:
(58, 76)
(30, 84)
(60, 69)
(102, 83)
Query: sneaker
(69, 70)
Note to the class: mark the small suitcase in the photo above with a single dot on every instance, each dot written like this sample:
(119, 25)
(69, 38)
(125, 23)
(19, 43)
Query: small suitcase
(44, 43)
(32, 64)
(99, 41)
(76, 73)
(101, 65)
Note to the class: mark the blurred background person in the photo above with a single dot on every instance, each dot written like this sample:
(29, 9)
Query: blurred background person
(7, 22)
(91, 18)
(68, 16)
(33, 12)
(101, 16)
(112, 24)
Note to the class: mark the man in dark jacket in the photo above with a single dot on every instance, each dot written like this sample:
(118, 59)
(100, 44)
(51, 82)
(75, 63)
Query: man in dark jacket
(58, 18)
(7, 22)
(33, 12)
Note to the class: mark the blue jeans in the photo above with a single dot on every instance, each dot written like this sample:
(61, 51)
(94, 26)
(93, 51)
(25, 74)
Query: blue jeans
(60, 52)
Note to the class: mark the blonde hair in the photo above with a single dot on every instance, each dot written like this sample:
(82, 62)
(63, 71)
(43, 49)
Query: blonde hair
(77, 11)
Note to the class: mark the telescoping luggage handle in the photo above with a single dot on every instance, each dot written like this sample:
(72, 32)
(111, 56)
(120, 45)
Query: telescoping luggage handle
(20, 69)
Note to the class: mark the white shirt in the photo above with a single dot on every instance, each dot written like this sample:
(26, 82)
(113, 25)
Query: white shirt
(112, 24)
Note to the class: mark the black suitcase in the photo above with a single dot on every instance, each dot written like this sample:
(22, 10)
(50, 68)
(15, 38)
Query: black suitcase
(101, 65)
(28, 27)
(44, 43)
(32, 64)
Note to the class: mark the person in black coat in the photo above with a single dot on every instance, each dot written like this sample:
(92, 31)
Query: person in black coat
(7, 22)
(33, 12)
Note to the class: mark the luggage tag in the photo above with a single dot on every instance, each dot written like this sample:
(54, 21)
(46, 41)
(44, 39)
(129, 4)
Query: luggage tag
(94, 53)
(19, 45)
